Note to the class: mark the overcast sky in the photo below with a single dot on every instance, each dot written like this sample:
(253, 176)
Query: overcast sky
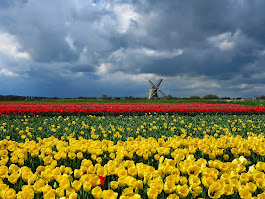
(73, 48)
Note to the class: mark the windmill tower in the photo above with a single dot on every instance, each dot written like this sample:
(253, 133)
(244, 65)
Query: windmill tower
(153, 90)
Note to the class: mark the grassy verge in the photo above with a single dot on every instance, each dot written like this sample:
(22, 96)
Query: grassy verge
(246, 102)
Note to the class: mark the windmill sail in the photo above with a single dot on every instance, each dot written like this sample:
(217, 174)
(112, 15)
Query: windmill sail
(154, 89)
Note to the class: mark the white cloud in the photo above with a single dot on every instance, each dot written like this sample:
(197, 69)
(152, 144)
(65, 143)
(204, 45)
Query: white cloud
(260, 87)
(83, 56)
(225, 41)
(125, 14)
(162, 54)
(125, 79)
(7, 73)
(10, 46)
(118, 55)
(70, 42)
(222, 41)
(243, 85)
(103, 68)
(203, 82)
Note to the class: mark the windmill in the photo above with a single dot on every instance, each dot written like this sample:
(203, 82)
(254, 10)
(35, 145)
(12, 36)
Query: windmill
(154, 89)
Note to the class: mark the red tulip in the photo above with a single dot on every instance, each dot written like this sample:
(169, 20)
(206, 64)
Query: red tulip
(102, 180)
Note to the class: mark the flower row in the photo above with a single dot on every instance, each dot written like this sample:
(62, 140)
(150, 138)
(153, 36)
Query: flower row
(138, 168)
(118, 108)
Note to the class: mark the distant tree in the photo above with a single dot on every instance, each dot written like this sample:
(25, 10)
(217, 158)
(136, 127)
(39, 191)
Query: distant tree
(262, 97)
(195, 97)
(104, 96)
(210, 96)
(225, 97)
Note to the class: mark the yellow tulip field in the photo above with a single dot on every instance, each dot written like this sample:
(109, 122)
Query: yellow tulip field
(151, 155)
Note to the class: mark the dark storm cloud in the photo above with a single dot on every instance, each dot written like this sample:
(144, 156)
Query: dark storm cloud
(42, 30)
(44, 50)
(214, 43)
(82, 68)
(191, 26)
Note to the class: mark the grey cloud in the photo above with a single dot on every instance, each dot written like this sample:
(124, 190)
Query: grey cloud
(220, 41)
(82, 68)
(5, 4)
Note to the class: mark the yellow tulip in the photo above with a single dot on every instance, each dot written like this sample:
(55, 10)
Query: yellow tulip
(152, 193)
(215, 190)
(69, 192)
(78, 173)
(251, 187)
(14, 159)
(13, 168)
(55, 172)
(72, 155)
(158, 186)
(76, 185)
(87, 186)
(244, 194)
(95, 180)
(26, 176)
(194, 170)
(207, 181)
(25, 195)
(64, 183)
(128, 191)
(260, 183)
(194, 180)
(226, 177)
(10, 194)
(109, 194)
(59, 192)
(73, 196)
(102, 172)
(173, 196)
(244, 178)
(47, 160)
(38, 185)
(169, 187)
(262, 195)
(49, 195)
(182, 191)
(228, 189)
(47, 188)
(99, 160)
(121, 172)
(79, 155)
(183, 180)
(13, 178)
(114, 184)
(139, 184)
(132, 171)
(172, 179)
(235, 184)
(97, 192)
(195, 190)
(3, 171)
